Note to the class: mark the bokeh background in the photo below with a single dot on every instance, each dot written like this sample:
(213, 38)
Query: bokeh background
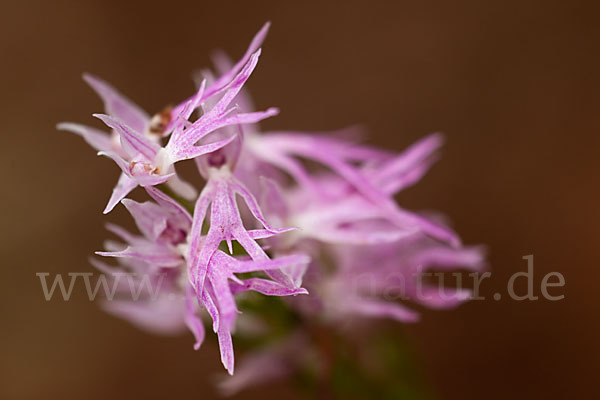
(513, 84)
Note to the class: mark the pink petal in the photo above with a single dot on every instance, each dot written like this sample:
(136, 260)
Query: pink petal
(157, 255)
(124, 234)
(198, 257)
(124, 186)
(222, 83)
(375, 308)
(197, 151)
(169, 204)
(265, 234)
(96, 138)
(133, 142)
(264, 265)
(226, 348)
(253, 206)
(442, 298)
(266, 287)
(118, 105)
(252, 48)
(192, 320)
(150, 219)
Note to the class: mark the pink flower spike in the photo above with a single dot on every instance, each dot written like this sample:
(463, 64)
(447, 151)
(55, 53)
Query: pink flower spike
(280, 213)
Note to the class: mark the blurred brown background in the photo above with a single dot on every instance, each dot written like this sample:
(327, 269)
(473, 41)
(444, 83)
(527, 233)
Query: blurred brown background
(513, 84)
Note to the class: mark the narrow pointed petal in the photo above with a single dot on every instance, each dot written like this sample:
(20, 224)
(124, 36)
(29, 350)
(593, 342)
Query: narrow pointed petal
(272, 198)
(376, 308)
(394, 184)
(257, 253)
(96, 138)
(223, 296)
(338, 143)
(193, 102)
(249, 118)
(360, 236)
(201, 257)
(198, 252)
(152, 179)
(192, 320)
(296, 273)
(472, 258)
(157, 255)
(170, 205)
(124, 234)
(197, 151)
(133, 141)
(441, 298)
(210, 305)
(118, 105)
(265, 234)
(409, 167)
(124, 165)
(252, 48)
(403, 218)
(266, 287)
(224, 81)
(124, 186)
(226, 348)
(204, 125)
(252, 204)
(291, 166)
(276, 263)
(181, 114)
(150, 219)
(182, 146)
(417, 152)
(251, 247)
(224, 65)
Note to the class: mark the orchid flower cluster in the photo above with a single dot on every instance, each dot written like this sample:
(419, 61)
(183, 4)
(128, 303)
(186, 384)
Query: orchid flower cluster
(279, 213)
